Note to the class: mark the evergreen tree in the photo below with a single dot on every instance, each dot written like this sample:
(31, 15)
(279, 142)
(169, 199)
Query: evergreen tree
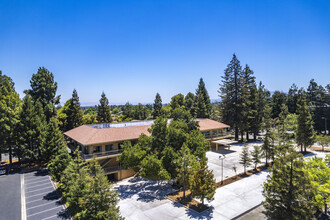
(186, 166)
(62, 115)
(288, 191)
(292, 98)
(230, 92)
(262, 101)
(31, 128)
(203, 184)
(103, 110)
(158, 134)
(278, 98)
(157, 106)
(73, 184)
(9, 115)
(74, 112)
(53, 142)
(256, 155)
(202, 101)
(128, 110)
(318, 103)
(305, 134)
(59, 163)
(43, 88)
(189, 101)
(169, 159)
(245, 158)
(249, 103)
(99, 198)
(177, 101)
(282, 124)
(267, 126)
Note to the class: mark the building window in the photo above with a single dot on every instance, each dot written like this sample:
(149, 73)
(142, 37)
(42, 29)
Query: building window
(214, 133)
(86, 150)
(109, 147)
(220, 132)
(97, 149)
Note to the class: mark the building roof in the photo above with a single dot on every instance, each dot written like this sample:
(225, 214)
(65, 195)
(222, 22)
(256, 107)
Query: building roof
(107, 133)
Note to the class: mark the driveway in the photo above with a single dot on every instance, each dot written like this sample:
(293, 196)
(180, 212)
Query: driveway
(10, 196)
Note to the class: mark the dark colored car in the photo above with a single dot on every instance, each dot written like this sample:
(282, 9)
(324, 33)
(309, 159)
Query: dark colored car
(3, 170)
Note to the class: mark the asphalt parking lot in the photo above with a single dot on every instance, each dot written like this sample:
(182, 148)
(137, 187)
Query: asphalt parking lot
(42, 200)
(10, 196)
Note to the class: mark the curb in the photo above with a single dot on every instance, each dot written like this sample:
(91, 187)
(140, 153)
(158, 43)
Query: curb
(57, 192)
(247, 211)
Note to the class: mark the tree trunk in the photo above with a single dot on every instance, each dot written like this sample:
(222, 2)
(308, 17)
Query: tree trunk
(254, 136)
(0, 156)
(242, 136)
(301, 148)
(10, 156)
(247, 136)
(236, 133)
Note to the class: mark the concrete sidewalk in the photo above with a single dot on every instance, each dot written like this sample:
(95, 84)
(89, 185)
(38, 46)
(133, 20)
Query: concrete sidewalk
(145, 199)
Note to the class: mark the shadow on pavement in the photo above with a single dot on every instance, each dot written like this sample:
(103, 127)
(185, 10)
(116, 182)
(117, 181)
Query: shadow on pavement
(147, 190)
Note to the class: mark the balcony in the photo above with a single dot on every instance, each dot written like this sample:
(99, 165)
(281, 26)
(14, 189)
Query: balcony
(224, 134)
(101, 154)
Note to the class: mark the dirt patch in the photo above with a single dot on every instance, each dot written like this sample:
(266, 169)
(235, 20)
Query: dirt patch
(240, 176)
(187, 201)
(318, 148)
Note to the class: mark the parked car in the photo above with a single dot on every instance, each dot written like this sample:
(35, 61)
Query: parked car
(3, 170)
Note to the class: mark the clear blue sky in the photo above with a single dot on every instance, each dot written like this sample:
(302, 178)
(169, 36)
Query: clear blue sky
(133, 49)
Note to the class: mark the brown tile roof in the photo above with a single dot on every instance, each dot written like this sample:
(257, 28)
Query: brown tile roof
(87, 135)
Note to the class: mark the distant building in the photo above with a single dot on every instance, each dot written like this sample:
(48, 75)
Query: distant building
(104, 141)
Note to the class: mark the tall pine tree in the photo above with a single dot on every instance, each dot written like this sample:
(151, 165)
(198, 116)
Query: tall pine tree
(103, 110)
(9, 115)
(249, 103)
(74, 112)
(305, 134)
(202, 101)
(53, 141)
(230, 93)
(288, 191)
(157, 106)
(43, 88)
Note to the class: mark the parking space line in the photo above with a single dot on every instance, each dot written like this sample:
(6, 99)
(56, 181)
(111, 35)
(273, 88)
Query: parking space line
(31, 182)
(35, 180)
(23, 205)
(50, 217)
(37, 185)
(40, 205)
(40, 189)
(35, 195)
(44, 211)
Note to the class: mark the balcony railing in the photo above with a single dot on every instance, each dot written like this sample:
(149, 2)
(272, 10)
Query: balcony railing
(218, 135)
(102, 154)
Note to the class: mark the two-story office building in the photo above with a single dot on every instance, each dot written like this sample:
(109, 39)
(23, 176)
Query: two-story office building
(104, 141)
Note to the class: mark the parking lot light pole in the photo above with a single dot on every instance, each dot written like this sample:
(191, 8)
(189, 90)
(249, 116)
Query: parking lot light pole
(222, 157)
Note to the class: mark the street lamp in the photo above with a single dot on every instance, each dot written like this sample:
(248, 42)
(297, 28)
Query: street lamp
(222, 157)
(325, 125)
